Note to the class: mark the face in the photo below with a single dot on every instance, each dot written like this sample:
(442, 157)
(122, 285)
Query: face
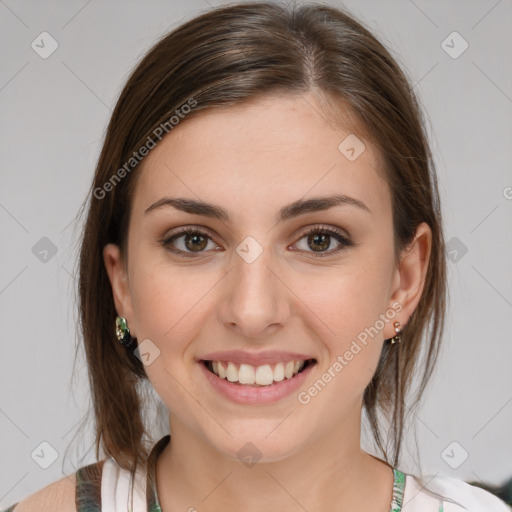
(262, 278)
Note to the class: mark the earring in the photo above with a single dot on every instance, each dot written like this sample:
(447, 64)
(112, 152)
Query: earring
(396, 338)
(122, 331)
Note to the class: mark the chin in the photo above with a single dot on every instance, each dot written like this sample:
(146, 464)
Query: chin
(259, 448)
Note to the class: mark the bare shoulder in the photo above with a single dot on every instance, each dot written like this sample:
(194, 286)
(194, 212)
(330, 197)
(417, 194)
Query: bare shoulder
(59, 495)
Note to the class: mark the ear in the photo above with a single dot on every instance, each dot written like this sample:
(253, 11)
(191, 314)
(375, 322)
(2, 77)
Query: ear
(118, 276)
(409, 277)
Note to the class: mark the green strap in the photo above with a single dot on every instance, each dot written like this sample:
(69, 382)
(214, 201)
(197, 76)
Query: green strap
(398, 490)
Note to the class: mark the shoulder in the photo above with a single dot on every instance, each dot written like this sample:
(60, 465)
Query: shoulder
(59, 495)
(80, 491)
(454, 494)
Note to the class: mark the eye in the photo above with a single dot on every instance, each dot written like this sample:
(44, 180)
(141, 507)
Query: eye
(194, 240)
(320, 237)
(186, 241)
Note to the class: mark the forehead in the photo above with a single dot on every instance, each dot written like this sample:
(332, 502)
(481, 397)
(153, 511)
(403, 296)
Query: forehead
(262, 155)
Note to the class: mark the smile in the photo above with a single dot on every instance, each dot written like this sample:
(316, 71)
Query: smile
(246, 384)
(264, 375)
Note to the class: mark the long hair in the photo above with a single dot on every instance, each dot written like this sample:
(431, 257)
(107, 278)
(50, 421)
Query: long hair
(228, 56)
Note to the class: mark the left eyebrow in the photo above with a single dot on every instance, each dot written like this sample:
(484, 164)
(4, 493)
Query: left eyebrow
(300, 207)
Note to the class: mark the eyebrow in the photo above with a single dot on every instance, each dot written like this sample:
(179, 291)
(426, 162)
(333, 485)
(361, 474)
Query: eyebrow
(300, 207)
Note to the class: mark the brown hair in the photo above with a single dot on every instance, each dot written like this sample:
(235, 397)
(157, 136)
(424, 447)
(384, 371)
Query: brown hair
(231, 55)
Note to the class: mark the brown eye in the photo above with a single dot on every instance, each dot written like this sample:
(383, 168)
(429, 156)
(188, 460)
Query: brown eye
(319, 239)
(188, 241)
(195, 242)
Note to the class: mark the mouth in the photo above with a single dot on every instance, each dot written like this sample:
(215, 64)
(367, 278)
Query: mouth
(257, 376)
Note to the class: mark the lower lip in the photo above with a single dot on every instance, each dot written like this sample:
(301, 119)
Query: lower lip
(247, 394)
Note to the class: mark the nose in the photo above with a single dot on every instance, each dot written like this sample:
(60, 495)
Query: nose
(254, 301)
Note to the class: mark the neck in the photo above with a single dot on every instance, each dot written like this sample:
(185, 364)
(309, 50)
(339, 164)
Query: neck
(330, 473)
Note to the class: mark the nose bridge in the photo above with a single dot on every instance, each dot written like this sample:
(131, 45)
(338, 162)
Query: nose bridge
(253, 298)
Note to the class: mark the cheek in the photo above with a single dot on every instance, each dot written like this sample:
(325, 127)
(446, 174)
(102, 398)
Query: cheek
(169, 301)
(166, 305)
(344, 309)
(345, 300)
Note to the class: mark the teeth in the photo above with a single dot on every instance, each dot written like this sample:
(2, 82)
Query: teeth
(247, 375)
(262, 375)
(231, 373)
(222, 371)
(279, 372)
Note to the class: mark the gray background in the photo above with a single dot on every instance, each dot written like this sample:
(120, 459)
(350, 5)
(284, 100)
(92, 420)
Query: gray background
(54, 113)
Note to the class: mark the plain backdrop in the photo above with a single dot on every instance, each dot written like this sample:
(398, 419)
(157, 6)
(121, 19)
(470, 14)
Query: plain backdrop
(54, 112)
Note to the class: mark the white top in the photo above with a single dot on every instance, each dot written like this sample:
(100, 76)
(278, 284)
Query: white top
(441, 494)
(116, 489)
(447, 494)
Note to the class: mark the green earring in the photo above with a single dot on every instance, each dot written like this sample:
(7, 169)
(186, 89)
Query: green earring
(122, 331)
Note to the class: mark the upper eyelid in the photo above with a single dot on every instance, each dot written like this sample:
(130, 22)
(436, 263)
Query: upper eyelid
(183, 230)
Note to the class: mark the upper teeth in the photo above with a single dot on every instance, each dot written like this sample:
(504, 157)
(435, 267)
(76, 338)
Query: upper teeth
(262, 375)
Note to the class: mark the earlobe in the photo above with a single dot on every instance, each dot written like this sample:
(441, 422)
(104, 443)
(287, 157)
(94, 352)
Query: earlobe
(411, 275)
(117, 274)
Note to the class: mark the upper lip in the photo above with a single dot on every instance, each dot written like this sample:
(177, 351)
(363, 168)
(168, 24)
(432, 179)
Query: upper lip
(255, 358)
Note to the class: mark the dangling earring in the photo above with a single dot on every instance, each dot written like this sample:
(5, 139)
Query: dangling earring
(396, 338)
(122, 331)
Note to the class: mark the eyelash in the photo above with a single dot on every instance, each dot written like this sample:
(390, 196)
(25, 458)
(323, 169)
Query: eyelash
(344, 241)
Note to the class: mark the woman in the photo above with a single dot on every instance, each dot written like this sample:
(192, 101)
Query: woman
(264, 248)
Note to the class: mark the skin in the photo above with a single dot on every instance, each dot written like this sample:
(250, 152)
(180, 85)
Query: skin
(252, 160)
